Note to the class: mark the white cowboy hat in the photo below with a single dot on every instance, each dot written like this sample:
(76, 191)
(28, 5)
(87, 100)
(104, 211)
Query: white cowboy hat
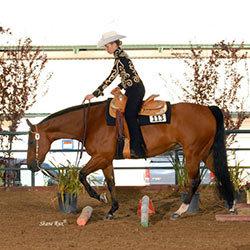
(109, 37)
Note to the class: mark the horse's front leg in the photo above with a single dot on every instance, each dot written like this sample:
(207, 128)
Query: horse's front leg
(194, 184)
(110, 180)
(94, 164)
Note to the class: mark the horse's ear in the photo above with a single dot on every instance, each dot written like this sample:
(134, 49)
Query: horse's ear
(29, 124)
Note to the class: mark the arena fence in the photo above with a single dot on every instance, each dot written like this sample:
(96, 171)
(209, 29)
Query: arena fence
(76, 150)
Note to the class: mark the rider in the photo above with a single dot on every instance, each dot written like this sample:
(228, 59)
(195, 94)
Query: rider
(131, 83)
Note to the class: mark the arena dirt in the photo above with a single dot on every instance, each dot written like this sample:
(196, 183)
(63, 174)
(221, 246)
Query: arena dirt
(32, 220)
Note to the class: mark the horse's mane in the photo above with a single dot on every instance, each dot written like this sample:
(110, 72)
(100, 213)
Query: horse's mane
(70, 109)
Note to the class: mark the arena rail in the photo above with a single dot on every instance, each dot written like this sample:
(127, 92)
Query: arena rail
(76, 150)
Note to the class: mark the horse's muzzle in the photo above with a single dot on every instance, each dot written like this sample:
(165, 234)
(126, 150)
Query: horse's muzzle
(33, 166)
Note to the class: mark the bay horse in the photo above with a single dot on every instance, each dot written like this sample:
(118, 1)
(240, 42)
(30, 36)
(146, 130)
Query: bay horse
(198, 129)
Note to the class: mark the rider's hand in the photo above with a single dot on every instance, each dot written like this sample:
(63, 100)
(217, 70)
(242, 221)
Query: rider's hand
(89, 97)
(114, 90)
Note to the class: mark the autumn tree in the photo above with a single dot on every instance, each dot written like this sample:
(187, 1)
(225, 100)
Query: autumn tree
(220, 78)
(21, 79)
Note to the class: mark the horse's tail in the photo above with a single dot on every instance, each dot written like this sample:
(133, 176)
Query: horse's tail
(221, 172)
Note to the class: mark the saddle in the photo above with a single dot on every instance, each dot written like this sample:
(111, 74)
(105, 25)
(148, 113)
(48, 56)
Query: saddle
(149, 107)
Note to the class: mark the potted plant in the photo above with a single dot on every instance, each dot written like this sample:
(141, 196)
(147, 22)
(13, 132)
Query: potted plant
(238, 177)
(247, 190)
(68, 185)
(178, 162)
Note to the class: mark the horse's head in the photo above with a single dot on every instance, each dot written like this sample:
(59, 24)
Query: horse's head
(38, 146)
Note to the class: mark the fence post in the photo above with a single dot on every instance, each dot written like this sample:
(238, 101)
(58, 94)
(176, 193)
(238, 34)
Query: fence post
(32, 179)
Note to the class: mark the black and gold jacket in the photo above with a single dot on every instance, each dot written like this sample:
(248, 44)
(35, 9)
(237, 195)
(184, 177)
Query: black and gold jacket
(125, 68)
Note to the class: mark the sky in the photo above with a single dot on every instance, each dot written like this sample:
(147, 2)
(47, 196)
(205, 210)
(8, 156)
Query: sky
(81, 22)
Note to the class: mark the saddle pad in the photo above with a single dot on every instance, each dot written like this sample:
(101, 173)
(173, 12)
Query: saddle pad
(143, 120)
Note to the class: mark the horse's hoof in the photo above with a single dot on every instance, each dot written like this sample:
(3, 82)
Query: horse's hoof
(175, 216)
(233, 212)
(109, 217)
(103, 198)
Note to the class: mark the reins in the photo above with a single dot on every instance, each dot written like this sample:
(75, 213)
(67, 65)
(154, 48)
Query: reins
(85, 119)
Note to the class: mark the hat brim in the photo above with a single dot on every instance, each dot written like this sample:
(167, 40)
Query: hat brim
(111, 39)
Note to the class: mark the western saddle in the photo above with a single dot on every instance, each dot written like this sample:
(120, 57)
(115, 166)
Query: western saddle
(116, 110)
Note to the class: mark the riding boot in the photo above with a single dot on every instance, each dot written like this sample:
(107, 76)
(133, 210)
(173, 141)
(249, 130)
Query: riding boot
(137, 145)
(137, 154)
(135, 95)
(137, 149)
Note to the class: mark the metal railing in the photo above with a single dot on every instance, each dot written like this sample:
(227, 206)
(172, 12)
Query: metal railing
(77, 150)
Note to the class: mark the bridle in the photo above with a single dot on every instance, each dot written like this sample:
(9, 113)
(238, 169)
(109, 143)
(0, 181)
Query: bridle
(37, 138)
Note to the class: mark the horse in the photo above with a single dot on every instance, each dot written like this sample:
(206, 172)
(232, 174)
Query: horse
(198, 129)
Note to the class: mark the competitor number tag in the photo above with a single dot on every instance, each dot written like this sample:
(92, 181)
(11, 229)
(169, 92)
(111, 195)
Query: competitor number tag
(157, 118)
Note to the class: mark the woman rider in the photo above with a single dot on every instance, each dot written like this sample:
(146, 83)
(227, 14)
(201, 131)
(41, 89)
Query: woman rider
(131, 83)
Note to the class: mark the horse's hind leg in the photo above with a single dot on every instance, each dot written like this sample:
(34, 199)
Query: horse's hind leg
(193, 168)
(94, 164)
(110, 180)
(209, 161)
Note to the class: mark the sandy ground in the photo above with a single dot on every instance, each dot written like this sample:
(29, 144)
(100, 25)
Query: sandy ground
(32, 220)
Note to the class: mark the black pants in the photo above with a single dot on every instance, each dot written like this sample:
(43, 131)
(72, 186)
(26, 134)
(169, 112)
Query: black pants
(135, 96)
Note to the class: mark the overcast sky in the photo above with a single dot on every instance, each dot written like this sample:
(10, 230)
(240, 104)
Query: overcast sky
(61, 22)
